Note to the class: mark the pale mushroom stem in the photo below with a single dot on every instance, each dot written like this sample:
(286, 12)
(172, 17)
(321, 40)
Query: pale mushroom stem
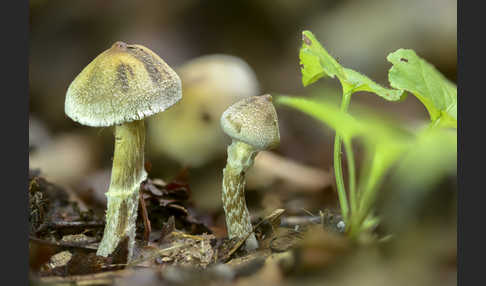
(123, 194)
(238, 222)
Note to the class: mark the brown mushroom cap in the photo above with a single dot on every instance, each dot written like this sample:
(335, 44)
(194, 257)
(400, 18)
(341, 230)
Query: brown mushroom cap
(252, 120)
(122, 84)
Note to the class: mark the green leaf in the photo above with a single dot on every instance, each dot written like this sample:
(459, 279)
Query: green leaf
(316, 62)
(384, 142)
(359, 82)
(344, 124)
(372, 128)
(415, 75)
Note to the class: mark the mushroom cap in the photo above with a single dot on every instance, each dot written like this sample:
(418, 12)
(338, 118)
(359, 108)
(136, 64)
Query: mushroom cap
(190, 132)
(123, 84)
(219, 75)
(252, 120)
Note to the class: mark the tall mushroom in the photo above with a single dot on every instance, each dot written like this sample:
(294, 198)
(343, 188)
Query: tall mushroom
(253, 126)
(120, 87)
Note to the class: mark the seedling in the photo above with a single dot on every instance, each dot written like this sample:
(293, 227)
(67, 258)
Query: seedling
(386, 143)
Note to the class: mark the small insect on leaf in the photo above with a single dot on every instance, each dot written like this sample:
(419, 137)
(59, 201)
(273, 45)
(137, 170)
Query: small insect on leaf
(306, 40)
(437, 93)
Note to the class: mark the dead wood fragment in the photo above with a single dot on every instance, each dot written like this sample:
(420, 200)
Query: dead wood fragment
(271, 218)
(292, 221)
(146, 222)
(184, 235)
(103, 278)
(60, 259)
(79, 225)
(76, 262)
(79, 239)
(62, 244)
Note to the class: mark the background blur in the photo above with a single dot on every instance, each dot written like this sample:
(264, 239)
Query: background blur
(66, 35)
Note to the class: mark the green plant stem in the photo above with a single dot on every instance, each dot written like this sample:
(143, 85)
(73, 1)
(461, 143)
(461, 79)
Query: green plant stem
(343, 201)
(379, 165)
(348, 148)
(341, 190)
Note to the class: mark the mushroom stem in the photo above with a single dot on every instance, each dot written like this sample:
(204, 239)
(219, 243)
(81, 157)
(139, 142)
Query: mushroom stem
(126, 175)
(238, 222)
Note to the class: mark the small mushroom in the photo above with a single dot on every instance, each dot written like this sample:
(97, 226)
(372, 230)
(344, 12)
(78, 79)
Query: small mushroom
(190, 133)
(253, 126)
(121, 87)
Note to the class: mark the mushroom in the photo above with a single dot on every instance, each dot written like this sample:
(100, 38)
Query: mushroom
(190, 133)
(252, 125)
(120, 87)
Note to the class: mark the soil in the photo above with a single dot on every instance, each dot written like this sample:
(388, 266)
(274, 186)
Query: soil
(178, 245)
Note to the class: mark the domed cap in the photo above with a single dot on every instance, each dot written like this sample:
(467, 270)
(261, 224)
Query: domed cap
(122, 84)
(219, 75)
(252, 120)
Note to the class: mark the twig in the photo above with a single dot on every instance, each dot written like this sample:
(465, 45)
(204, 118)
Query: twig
(270, 218)
(308, 212)
(299, 220)
(67, 224)
(185, 235)
(62, 244)
(147, 229)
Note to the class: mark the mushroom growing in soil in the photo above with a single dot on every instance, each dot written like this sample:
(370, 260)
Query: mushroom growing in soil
(253, 126)
(120, 87)
(190, 133)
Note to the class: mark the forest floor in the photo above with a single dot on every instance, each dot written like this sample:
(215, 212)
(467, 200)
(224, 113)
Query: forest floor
(176, 246)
